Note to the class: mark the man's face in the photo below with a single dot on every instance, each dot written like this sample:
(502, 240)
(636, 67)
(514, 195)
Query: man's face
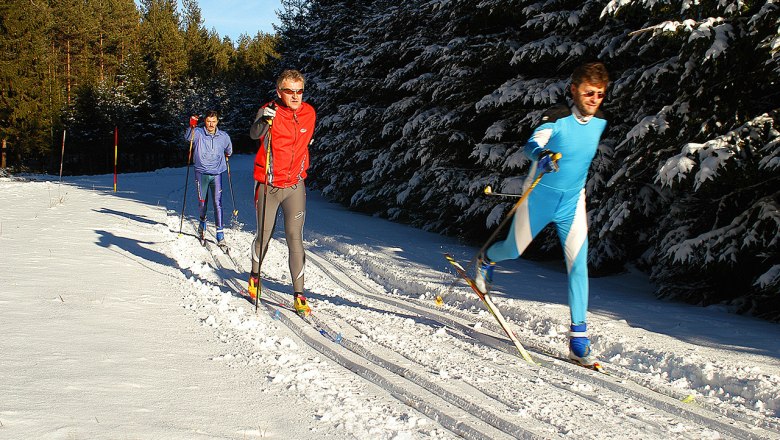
(211, 124)
(588, 97)
(291, 93)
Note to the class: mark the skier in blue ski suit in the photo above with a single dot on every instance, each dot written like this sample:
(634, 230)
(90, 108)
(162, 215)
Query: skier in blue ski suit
(211, 147)
(559, 197)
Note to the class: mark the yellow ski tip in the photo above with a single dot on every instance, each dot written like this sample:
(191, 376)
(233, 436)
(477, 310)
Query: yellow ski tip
(488, 190)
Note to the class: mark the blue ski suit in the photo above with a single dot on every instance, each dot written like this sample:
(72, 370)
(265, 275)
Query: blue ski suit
(559, 197)
(209, 160)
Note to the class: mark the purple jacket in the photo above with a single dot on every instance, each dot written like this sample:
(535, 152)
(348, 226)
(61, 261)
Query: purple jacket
(210, 150)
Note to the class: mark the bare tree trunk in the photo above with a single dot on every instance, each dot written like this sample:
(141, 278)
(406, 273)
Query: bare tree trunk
(68, 70)
(102, 66)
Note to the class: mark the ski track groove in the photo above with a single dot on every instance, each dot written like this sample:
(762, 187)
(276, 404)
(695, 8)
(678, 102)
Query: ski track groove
(622, 385)
(542, 348)
(398, 388)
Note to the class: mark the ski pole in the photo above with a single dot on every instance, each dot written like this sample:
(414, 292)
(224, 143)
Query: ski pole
(489, 192)
(230, 182)
(511, 212)
(263, 247)
(186, 181)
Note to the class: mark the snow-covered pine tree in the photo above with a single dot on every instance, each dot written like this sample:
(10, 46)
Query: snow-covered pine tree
(694, 173)
(423, 104)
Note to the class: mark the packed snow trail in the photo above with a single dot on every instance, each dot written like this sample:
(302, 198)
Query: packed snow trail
(660, 416)
(418, 370)
(384, 267)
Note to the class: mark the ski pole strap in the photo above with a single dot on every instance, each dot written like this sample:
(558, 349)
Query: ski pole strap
(578, 334)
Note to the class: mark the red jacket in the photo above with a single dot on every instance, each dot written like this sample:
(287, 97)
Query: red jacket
(291, 133)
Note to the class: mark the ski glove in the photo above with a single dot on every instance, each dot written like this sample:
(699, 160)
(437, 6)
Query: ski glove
(194, 121)
(548, 162)
(269, 112)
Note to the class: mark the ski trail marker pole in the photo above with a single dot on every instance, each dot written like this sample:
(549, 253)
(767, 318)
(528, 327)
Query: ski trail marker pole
(116, 152)
(186, 181)
(62, 159)
(62, 156)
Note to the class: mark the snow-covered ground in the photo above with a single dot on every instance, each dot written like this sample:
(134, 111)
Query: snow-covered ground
(114, 325)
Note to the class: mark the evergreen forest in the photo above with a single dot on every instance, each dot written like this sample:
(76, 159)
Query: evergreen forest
(86, 68)
(421, 105)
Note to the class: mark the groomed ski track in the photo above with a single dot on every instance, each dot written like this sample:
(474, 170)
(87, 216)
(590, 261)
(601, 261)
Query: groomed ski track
(484, 398)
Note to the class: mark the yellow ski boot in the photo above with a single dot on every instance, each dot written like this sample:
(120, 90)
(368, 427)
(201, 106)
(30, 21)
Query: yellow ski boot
(254, 281)
(300, 305)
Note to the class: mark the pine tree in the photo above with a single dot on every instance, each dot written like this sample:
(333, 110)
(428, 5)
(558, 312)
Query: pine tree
(162, 41)
(27, 105)
(697, 174)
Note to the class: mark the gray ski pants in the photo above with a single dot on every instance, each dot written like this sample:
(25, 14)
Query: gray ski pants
(293, 203)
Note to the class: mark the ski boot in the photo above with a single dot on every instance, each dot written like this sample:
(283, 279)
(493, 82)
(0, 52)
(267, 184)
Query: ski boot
(202, 232)
(579, 346)
(221, 241)
(484, 274)
(254, 282)
(300, 305)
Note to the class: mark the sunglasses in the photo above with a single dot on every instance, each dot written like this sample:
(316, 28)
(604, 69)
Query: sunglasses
(592, 93)
(292, 92)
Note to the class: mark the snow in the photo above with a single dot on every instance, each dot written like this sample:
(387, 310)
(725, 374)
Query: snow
(114, 325)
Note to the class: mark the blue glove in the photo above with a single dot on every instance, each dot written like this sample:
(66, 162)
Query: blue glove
(548, 161)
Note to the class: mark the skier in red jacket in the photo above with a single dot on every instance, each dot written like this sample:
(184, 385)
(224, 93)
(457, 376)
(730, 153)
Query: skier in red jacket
(285, 128)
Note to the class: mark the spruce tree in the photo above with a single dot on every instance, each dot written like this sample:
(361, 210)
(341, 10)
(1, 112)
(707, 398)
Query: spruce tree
(422, 105)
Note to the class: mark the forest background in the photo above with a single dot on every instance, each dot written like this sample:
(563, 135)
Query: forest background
(423, 104)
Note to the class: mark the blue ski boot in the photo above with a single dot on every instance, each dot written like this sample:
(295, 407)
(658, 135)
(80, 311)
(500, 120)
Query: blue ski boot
(484, 274)
(221, 241)
(579, 346)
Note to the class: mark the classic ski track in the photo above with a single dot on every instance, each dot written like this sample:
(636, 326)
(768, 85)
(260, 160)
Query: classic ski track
(382, 353)
(667, 404)
(405, 368)
(737, 425)
(472, 424)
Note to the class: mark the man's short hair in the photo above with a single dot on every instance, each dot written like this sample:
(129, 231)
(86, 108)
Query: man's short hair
(289, 74)
(592, 73)
(210, 113)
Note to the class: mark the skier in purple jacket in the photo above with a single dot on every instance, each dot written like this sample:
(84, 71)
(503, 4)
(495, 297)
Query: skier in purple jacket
(211, 147)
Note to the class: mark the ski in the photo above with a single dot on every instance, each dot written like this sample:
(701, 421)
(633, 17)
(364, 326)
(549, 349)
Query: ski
(310, 319)
(595, 367)
(488, 301)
